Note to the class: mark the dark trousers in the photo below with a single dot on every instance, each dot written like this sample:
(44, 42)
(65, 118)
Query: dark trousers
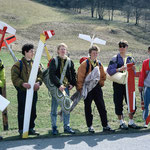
(21, 96)
(118, 96)
(97, 95)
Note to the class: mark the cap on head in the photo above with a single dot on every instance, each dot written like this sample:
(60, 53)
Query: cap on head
(149, 48)
(27, 47)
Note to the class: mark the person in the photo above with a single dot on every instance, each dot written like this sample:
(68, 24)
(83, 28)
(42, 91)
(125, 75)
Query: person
(144, 85)
(68, 83)
(96, 94)
(2, 80)
(117, 64)
(20, 73)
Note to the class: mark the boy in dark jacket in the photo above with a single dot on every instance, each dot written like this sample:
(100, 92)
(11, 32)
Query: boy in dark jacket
(68, 83)
(20, 73)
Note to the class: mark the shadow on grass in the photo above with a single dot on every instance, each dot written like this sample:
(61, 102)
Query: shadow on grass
(59, 141)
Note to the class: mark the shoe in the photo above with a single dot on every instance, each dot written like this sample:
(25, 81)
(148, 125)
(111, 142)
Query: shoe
(69, 130)
(145, 125)
(91, 130)
(1, 138)
(20, 132)
(108, 129)
(54, 130)
(123, 126)
(133, 126)
(33, 132)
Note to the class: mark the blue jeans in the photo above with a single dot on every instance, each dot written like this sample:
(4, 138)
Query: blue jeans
(54, 105)
(146, 102)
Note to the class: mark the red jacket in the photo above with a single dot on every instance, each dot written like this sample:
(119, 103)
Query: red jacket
(144, 72)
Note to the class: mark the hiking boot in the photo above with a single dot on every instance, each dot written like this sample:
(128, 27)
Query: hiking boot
(133, 126)
(91, 130)
(69, 130)
(123, 126)
(108, 129)
(54, 130)
(33, 132)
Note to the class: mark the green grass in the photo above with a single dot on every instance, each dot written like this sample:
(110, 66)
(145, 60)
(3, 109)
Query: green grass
(30, 19)
(77, 121)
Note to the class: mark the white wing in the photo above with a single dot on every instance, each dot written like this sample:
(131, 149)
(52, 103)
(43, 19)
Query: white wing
(3, 103)
(99, 41)
(10, 29)
(85, 37)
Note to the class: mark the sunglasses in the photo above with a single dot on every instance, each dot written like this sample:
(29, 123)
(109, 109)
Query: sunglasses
(122, 46)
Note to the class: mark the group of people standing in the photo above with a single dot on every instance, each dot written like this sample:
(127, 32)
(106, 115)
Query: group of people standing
(20, 74)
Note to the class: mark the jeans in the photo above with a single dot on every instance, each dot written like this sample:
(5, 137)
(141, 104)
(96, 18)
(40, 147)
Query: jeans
(146, 102)
(54, 105)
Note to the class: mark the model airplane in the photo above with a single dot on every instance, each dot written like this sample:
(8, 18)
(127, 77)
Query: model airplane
(32, 79)
(92, 40)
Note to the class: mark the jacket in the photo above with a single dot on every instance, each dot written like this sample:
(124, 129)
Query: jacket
(144, 72)
(82, 74)
(54, 73)
(19, 76)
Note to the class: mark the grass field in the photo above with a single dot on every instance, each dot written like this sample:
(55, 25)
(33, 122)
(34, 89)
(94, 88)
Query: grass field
(44, 103)
(30, 19)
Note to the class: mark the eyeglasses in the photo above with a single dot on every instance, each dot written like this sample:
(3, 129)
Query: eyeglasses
(122, 46)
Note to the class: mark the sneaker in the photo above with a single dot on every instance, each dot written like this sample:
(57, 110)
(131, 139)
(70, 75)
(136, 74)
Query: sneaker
(133, 126)
(145, 125)
(1, 138)
(108, 129)
(69, 130)
(123, 126)
(54, 130)
(33, 132)
(91, 130)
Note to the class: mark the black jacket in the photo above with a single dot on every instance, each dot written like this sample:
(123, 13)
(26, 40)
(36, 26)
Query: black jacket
(54, 73)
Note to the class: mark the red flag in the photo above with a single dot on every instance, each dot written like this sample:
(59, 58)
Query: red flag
(49, 34)
(3, 34)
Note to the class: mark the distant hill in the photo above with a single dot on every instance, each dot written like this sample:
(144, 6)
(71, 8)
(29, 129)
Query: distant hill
(31, 18)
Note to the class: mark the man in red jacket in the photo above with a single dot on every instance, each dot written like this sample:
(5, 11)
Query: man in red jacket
(144, 85)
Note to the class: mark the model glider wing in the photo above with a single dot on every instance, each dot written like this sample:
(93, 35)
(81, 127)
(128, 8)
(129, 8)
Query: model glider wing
(85, 37)
(99, 41)
(10, 29)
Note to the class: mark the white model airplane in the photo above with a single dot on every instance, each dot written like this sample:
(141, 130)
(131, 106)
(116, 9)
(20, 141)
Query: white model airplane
(92, 40)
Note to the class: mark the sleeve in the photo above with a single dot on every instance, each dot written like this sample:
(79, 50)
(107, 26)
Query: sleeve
(15, 76)
(52, 74)
(111, 70)
(73, 75)
(142, 75)
(39, 76)
(2, 77)
(81, 76)
(102, 75)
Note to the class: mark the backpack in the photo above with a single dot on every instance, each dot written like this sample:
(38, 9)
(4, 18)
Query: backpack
(56, 62)
(87, 63)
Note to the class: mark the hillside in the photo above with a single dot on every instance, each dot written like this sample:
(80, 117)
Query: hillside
(31, 18)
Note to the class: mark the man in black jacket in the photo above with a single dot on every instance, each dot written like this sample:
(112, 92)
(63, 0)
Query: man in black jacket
(68, 83)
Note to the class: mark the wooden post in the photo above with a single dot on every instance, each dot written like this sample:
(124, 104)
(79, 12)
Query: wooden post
(4, 113)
